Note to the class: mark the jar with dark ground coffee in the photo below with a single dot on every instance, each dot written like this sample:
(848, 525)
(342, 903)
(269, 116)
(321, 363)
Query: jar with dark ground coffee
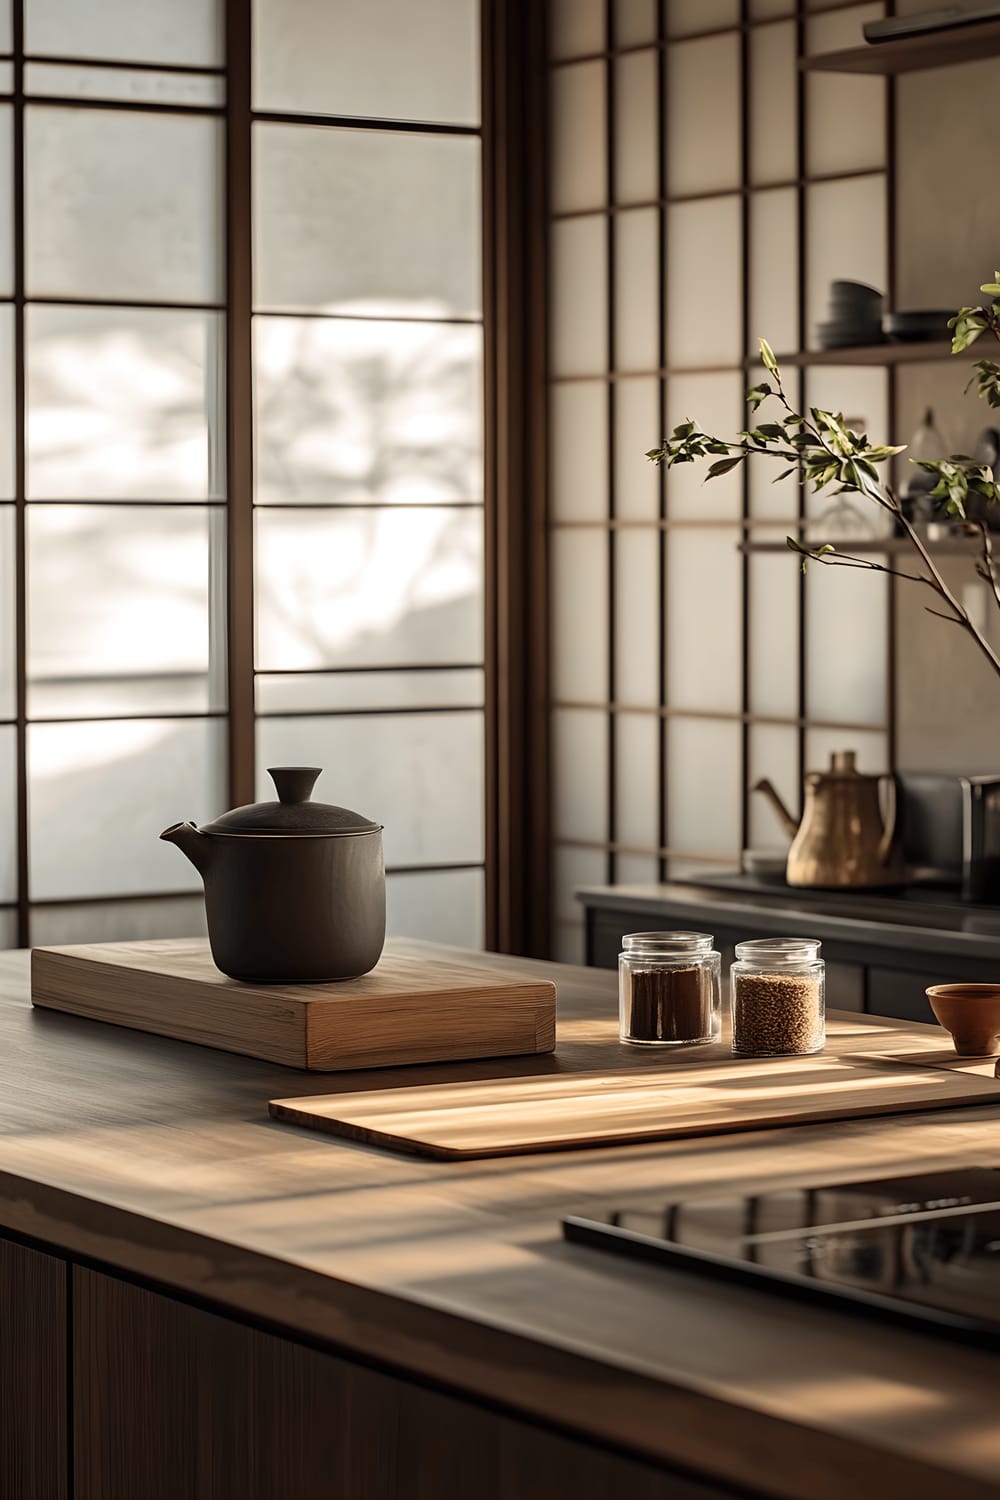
(776, 995)
(668, 989)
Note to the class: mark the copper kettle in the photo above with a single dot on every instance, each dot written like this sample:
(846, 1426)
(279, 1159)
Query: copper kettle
(842, 841)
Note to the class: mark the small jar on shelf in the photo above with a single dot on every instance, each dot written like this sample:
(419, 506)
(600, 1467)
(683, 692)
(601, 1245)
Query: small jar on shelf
(777, 998)
(669, 989)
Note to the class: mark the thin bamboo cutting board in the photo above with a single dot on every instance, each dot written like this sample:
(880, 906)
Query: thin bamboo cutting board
(407, 1010)
(509, 1117)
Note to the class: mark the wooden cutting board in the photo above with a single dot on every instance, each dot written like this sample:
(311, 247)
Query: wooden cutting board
(507, 1117)
(407, 1010)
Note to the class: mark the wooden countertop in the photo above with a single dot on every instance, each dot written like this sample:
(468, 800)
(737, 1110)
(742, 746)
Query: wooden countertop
(158, 1158)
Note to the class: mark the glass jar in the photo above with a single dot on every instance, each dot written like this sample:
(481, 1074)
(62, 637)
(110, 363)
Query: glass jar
(777, 998)
(668, 989)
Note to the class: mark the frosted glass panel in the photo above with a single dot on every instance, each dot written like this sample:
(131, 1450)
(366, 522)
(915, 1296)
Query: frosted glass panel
(578, 432)
(343, 691)
(762, 10)
(635, 21)
(636, 869)
(774, 753)
(871, 749)
(389, 59)
(132, 777)
(704, 780)
(703, 115)
(576, 27)
(365, 412)
(846, 623)
(636, 128)
(419, 774)
(443, 906)
(6, 201)
(637, 760)
(580, 774)
(637, 247)
(119, 610)
(715, 403)
(138, 86)
(704, 618)
(579, 296)
(774, 270)
(774, 634)
(8, 813)
(845, 113)
(700, 15)
(8, 614)
(8, 929)
(704, 255)
(637, 481)
(579, 170)
(579, 562)
(124, 404)
(366, 222)
(6, 403)
(846, 240)
(128, 30)
(185, 31)
(637, 616)
(368, 587)
(573, 868)
(124, 206)
(6, 26)
(774, 76)
(119, 921)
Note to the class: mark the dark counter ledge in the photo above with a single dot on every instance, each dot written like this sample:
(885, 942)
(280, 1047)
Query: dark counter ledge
(248, 1309)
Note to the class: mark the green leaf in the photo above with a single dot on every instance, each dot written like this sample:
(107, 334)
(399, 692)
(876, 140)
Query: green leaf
(723, 466)
(783, 475)
(992, 288)
(767, 357)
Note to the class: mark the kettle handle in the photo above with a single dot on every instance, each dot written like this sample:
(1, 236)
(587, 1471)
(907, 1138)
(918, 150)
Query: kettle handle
(889, 831)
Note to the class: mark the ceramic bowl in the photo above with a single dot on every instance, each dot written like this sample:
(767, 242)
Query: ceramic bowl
(971, 1012)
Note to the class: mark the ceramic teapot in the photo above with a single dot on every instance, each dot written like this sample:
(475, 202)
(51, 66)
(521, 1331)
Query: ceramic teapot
(841, 841)
(294, 889)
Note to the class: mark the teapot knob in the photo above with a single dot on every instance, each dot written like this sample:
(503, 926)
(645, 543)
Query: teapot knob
(294, 783)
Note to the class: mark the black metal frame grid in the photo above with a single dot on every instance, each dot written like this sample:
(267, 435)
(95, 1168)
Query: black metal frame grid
(661, 847)
(237, 118)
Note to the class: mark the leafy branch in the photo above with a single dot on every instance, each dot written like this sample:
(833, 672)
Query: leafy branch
(819, 449)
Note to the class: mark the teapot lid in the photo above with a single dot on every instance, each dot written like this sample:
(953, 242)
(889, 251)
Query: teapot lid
(843, 767)
(293, 813)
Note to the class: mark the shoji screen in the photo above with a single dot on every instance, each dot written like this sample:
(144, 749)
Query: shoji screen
(703, 191)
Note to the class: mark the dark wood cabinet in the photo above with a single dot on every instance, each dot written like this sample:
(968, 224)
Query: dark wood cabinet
(33, 1391)
(176, 1403)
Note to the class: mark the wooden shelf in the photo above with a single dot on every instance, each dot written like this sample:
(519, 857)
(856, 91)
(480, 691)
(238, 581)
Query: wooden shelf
(873, 354)
(938, 49)
(958, 546)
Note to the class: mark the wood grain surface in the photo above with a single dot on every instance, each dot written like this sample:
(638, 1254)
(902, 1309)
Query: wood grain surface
(32, 1375)
(157, 1158)
(407, 1010)
(683, 1096)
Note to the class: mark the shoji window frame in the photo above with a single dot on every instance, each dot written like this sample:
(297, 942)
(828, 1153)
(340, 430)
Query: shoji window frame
(668, 856)
(512, 81)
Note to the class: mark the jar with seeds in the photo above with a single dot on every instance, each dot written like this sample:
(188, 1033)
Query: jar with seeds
(776, 995)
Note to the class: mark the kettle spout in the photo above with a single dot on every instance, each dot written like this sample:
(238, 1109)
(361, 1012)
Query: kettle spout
(789, 823)
(194, 844)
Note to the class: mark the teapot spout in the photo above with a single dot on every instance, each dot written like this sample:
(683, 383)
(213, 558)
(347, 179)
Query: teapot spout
(789, 823)
(194, 844)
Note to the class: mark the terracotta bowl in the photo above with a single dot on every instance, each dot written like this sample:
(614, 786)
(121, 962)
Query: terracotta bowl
(971, 1012)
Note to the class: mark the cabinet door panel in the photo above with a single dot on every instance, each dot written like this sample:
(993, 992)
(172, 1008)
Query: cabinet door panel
(32, 1374)
(173, 1401)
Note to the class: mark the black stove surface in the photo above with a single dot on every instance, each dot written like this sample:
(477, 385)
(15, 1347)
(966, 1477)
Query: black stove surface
(923, 1249)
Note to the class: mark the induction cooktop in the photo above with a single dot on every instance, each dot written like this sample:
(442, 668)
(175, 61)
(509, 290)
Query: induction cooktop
(921, 1249)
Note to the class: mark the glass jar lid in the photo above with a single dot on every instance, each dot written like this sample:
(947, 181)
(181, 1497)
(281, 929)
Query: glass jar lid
(779, 953)
(294, 812)
(667, 944)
